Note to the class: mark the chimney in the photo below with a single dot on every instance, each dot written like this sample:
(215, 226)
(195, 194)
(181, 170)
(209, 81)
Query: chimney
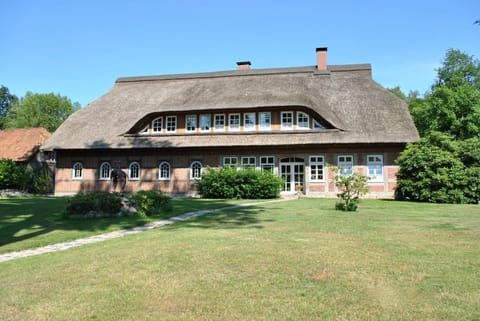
(322, 58)
(243, 65)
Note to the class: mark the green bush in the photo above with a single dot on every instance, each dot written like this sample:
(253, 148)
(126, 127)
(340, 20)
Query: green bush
(12, 175)
(94, 204)
(38, 181)
(149, 202)
(230, 183)
(438, 169)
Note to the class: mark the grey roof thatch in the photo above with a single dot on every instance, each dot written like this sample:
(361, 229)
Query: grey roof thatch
(359, 109)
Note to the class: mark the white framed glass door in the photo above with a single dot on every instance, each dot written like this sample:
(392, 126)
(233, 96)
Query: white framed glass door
(292, 171)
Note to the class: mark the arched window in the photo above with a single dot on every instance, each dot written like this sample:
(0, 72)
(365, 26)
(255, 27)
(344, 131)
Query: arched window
(164, 171)
(196, 170)
(134, 171)
(77, 170)
(105, 170)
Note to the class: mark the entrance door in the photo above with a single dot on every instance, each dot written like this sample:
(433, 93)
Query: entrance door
(292, 170)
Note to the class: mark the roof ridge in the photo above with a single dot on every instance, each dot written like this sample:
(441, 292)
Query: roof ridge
(251, 72)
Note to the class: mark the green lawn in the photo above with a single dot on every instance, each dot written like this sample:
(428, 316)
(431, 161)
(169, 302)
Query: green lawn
(296, 260)
(28, 222)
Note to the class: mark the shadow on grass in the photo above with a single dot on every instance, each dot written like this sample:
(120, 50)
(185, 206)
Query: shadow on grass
(230, 218)
(23, 218)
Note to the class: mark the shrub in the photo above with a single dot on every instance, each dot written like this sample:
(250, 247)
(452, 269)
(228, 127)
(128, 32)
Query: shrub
(94, 203)
(12, 175)
(437, 169)
(352, 187)
(149, 202)
(38, 181)
(229, 183)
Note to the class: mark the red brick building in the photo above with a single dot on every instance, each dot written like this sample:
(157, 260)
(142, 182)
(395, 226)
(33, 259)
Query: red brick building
(163, 131)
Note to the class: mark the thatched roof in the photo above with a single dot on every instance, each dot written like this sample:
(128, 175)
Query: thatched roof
(21, 144)
(358, 109)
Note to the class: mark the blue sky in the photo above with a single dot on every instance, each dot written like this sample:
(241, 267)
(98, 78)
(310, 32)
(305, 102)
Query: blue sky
(78, 48)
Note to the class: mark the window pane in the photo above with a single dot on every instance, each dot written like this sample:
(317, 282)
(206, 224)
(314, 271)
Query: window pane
(265, 120)
(249, 121)
(219, 122)
(302, 120)
(191, 123)
(157, 125)
(171, 124)
(287, 120)
(164, 171)
(205, 122)
(234, 122)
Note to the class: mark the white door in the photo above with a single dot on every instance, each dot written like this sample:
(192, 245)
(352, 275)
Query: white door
(292, 170)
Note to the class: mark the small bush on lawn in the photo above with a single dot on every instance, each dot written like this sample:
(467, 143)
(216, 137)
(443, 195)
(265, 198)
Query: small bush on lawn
(149, 202)
(92, 204)
(352, 187)
(229, 183)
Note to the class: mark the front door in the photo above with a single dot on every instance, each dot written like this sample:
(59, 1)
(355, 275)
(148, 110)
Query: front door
(292, 170)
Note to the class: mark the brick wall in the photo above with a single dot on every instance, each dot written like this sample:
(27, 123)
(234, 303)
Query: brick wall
(180, 160)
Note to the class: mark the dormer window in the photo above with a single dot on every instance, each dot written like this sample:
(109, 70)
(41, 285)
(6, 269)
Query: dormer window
(219, 122)
(191, 123)
(265, 120)
(287, 120)
(157, 125)
(317, 125)
(249, 121)
(205, 123)
(302, 120)
(171, 124)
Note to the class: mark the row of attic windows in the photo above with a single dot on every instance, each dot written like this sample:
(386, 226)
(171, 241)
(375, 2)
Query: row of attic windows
(232, 122)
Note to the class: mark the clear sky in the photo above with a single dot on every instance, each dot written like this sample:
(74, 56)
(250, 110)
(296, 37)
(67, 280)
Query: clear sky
(78, 48)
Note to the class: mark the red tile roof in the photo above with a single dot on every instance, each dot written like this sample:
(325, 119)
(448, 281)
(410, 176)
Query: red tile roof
(20, 144)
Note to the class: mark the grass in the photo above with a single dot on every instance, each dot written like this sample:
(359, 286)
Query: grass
(296, 260)
(28, 222)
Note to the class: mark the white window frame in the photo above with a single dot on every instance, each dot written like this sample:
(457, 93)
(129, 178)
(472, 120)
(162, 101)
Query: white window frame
(161, 172)
(317, 125)
(231, 120)
(267, 163)
(265, 120)
(155, 127)
(305, 122)
(248, 162)
(193, 121)
(102, 171)
(77, 170)
(345, 161)
(134, 174)
(196, 170)
(219, 122)
(247, 121)
(171, 124)
(230, 161)
(284, 125)
(375, 163)
(315, 162)
(144, 131)
(203, 118)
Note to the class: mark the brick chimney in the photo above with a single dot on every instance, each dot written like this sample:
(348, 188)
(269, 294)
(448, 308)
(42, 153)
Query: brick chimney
(322, 58)
(243, 65)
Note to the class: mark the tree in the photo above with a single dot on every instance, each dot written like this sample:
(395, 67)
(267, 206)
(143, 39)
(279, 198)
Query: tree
(7, 100)
(444, 166)
(453, 105)
(40, 110)
(352, 187)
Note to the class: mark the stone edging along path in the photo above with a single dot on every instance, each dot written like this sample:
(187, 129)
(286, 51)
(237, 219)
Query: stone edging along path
(116, 234)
